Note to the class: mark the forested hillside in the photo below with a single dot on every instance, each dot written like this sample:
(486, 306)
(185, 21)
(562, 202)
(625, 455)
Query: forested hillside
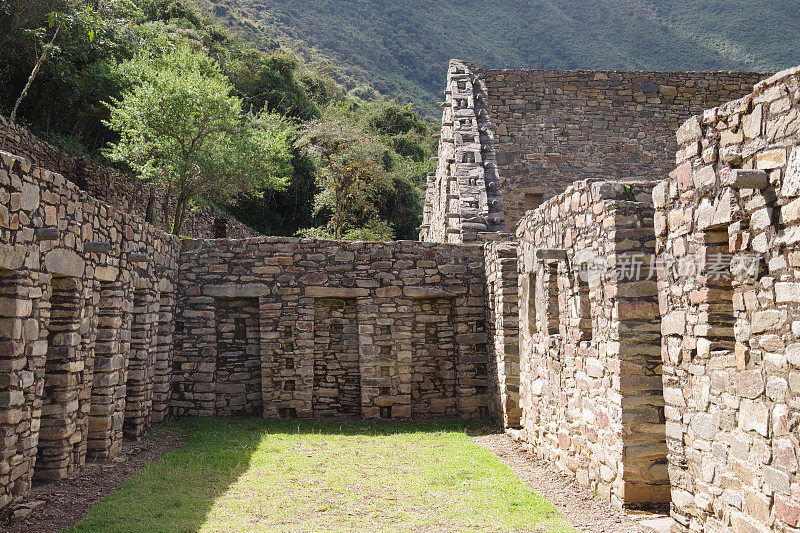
(156, 88)
(401, 47)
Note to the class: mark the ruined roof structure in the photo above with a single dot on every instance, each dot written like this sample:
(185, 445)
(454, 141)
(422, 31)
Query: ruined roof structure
(511, 139)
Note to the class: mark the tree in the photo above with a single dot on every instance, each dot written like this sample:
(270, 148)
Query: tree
(352, 171)
(181, 129)
(82, 20)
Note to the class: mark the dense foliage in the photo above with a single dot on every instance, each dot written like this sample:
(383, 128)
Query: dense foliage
(401, 47)
(270, 101)
(180, 128)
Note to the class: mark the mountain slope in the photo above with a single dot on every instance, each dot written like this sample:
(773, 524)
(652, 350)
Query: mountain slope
(401, 47)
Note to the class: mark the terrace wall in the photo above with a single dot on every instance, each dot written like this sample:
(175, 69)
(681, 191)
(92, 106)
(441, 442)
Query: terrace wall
(126, 193)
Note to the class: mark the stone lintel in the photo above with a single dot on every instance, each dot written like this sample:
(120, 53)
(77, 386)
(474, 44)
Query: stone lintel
(427, 292)
(236, 290)
(749, 179)
(551, 254)
(64, 262)
(336, 292)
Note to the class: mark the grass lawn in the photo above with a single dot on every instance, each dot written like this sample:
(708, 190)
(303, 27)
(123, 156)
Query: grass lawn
(252, 475)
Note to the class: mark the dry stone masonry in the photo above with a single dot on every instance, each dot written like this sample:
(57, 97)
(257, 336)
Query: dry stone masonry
(727, 236)
(108, 325)
(70, 267)
(333, 329)
(511, 139)
(589, 335)
(640, 327)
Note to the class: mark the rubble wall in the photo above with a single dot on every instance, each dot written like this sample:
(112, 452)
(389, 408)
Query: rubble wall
(377, 330)
(729, 242)
(589, 340)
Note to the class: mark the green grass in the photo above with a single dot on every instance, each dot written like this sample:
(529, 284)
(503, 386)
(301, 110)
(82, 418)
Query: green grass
(251, 475)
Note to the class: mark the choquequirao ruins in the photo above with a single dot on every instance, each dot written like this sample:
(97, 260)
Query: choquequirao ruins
(608, 265)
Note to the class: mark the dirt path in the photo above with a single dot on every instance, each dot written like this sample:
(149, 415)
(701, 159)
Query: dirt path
(56, 506)
(577, 504)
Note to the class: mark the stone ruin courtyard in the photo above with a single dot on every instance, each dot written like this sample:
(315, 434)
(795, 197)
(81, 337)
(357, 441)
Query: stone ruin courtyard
(607, 270)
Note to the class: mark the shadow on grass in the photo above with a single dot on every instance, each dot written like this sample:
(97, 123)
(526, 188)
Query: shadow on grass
(179, 492)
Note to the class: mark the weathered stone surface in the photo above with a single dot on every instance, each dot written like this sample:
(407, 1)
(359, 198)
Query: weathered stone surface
(749, 179)
(738, 357)
(64, 262)
(12, 256)
(769, 320)
(754, 416)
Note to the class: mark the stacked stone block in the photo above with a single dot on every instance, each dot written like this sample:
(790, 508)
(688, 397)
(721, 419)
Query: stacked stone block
(540, 130)
(433, 376)
(463, 201)
(727, 230)
(589, 339)
(162, 378)
(21, 362)
(108, 384)
(64, 423)
(337, 376)
(502, 309)
(141, 363)
(342, 327)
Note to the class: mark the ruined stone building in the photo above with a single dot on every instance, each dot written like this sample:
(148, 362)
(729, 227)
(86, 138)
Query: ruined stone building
(607, 267)
(511, 139)
(645, 340)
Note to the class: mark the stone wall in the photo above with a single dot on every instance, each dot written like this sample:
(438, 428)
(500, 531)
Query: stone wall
(728, 236)
(108, 185)
(75, 345)
(502, 310)
(463, 202)
(108, 325)
(589, 340)
(377, 330)
(513, 138)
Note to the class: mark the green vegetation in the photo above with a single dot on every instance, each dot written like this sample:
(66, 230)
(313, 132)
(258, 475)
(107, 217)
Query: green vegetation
(135, 82)
(181, 129)
(401, 47)
(284, 476)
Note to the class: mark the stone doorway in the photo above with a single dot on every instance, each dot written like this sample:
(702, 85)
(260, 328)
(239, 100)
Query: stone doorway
(238, 369)
(337, 374)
